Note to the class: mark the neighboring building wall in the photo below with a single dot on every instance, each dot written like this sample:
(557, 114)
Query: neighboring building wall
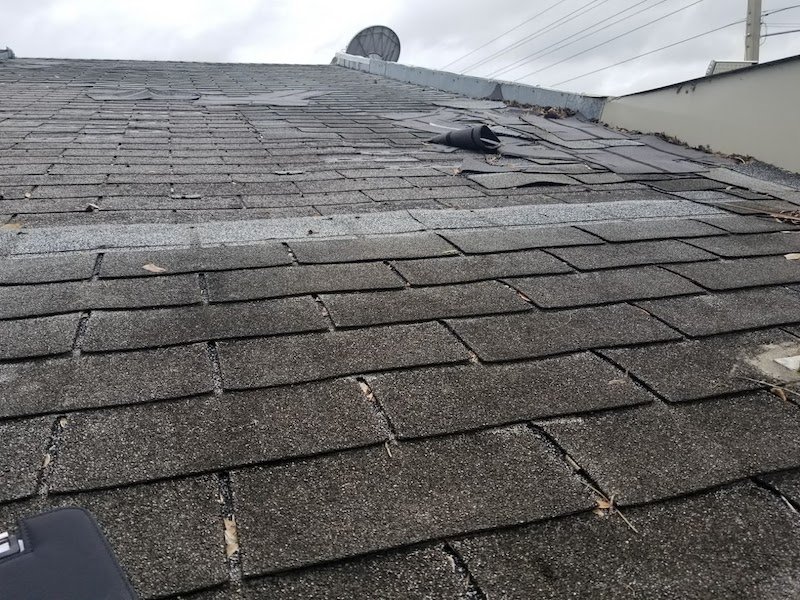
(475, 87)
(753, 112)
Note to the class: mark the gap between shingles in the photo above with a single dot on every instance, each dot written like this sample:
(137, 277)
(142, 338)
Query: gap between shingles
(229, 527)
(51, 453)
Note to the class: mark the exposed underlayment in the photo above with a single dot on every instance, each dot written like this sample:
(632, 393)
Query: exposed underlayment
(282, 346)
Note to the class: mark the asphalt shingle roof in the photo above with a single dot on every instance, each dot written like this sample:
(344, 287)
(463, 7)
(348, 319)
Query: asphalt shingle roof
(255, 294)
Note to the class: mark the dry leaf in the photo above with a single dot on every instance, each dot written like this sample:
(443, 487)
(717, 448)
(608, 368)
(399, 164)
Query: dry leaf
(153, 268)
(27, 194)
(792, 256)
(603, 504)
(231, 537)
(92, 207)
(11, 227)
(780, 393)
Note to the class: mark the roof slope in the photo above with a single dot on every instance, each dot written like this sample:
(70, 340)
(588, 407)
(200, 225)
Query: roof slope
(253, 294)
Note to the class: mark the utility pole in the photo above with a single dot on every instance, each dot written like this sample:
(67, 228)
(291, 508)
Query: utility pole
(752, 36)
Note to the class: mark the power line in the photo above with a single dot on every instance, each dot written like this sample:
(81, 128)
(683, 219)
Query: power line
(540, 53)
(549, 27)
(621, 35)
(627, 60)
(780, 33)
(777, 10)
(505, 33)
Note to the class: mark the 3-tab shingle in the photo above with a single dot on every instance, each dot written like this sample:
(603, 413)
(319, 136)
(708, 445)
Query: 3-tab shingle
(746, 272)
(433, 401)
(759, 244)
(63, 384)
(38, 337)
(76, 296)
(685, 548)
(502, 239)
(601, 287)
(422, 304)
(41, 270)
(167, 535)
(459, 269)
(418, 245)
(122, 330)
(236, 429)
(654, 452)
(542, 333)
(630, 254)
(631, 231)
(292, 359)
(131, 264)
(696, 369)
(24, 447)
(309, 279)
(331, 507)
(733, 311)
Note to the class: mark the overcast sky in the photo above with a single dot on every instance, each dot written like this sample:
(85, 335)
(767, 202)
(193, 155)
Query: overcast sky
(433, 33)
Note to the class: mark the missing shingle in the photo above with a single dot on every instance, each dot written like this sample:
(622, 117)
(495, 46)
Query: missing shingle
(229, 529)
(51, 453)
(472, 590)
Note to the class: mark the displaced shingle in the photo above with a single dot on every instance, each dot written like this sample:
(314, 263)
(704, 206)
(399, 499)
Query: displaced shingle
(433, 401)
(103, 380)
(41, 270)
(458, 269)
(704, 368)
(167, 536)
(631, 231)
(38, 337)
(731, 311)
(757, 244)
(747, 272)
(53, 298)
(499, 181)
(685, 185)
(236, 429)
(681, 549)
(746, 224)
(422, 304)
(309, 279)
(120, 330)
(336, 506)
(24, 447)
(601, 287)
(542, 333)
(131, 264)
(292, 359)
(375, 248)
(502, 239)
(630, 254)
(658, 451)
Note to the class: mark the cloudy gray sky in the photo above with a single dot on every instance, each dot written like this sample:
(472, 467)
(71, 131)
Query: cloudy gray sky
(433, 33)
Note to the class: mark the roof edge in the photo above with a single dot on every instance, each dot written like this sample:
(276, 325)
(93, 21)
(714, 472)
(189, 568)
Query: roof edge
(590, 107)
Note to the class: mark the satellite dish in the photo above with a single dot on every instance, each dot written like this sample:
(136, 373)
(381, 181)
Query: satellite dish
(377, 41)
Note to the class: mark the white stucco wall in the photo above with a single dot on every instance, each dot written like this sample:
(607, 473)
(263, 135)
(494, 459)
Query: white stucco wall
(753, 112)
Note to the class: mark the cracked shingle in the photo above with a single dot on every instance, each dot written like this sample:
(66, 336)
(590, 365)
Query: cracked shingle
(331, 507)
